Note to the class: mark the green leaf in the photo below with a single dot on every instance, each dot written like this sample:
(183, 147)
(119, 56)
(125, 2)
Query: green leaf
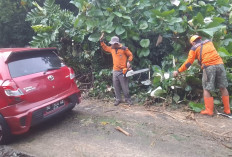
(197, 107)
(178, 28)
(143, 25)
(230, 17)
(188, 88)
(175, 20)
(199, 19)
(95, 12)
(176, 98)
(94, 37)
(156, 69)
(126, 17)
(90, 24)
(167, 13)
(145, 52)
(118, 14)
(79, 4)
(145, 43)
(212, 31)
(156, 80)
(223, 52)
(119, 30)
(163, 14)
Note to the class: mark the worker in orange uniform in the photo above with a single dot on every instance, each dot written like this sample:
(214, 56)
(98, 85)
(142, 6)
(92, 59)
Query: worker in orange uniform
(122, 57)
(214, 74)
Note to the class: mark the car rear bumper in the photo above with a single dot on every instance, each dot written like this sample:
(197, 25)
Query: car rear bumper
(21, 123)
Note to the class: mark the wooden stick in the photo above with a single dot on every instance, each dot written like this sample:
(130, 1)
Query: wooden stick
(123, 131)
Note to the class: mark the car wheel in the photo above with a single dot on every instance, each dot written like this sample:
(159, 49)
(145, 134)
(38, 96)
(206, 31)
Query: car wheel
(5, 134)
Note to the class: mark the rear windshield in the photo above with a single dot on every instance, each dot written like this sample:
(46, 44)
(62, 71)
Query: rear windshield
(26, 63)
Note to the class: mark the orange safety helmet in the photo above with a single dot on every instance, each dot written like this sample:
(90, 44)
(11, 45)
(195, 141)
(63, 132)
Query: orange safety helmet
(193, 38)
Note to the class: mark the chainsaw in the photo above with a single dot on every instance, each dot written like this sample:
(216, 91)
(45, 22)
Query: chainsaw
(225, 115)
(132, 72)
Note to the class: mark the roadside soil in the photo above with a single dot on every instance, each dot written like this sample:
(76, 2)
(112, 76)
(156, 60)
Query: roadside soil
(90, 131)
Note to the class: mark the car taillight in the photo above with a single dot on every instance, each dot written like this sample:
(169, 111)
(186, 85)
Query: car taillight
(72, 74)
(14, 94)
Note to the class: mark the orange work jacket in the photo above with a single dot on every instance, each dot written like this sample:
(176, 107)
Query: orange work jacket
(209, 55)
(120, 56)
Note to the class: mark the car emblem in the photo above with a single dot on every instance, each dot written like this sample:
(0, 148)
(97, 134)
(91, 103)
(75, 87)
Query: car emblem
(51, 78)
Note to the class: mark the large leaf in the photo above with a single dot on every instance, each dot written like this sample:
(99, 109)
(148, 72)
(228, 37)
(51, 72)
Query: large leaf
(118, 14)
(94, 37)
(177, 28)
(223, 52)
(95, 12)
(197, 107)
(145, 52)
(162, 14)
(78, 3)
(212, 31)
(143, 25)
(199, 19)
(157, 80)
(176, 98)
(145, 43)
(90, 24)
(119, 30)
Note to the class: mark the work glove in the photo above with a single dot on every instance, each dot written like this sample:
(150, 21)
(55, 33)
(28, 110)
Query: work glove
(175, 73)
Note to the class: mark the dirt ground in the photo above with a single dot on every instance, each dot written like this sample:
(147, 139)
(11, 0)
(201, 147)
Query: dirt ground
(90, 131)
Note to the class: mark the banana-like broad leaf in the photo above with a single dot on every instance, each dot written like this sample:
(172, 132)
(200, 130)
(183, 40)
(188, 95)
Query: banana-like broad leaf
(145, 43)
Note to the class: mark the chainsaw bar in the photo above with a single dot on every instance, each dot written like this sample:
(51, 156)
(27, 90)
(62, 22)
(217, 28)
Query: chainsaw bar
(131, 72)
(225, 115)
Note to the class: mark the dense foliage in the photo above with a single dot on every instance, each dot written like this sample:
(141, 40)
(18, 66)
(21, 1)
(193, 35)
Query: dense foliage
(14, 31)
(157, 32)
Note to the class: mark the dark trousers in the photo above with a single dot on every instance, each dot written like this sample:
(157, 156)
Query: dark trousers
(120, 82)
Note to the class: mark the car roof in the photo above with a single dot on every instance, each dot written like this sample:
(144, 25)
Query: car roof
(7, 52)
(2, 50)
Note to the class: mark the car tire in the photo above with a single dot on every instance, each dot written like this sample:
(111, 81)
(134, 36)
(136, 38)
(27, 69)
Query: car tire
(5, 134)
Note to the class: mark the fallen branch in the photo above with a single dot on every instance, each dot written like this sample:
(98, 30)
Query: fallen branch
(229, 147)
(109, 111)
(121, 130)
(211, 132)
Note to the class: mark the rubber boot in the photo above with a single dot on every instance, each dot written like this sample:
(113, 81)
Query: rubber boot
(208, 106)
(226, 103)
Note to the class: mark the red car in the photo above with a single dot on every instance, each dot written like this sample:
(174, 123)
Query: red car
(35, 85)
